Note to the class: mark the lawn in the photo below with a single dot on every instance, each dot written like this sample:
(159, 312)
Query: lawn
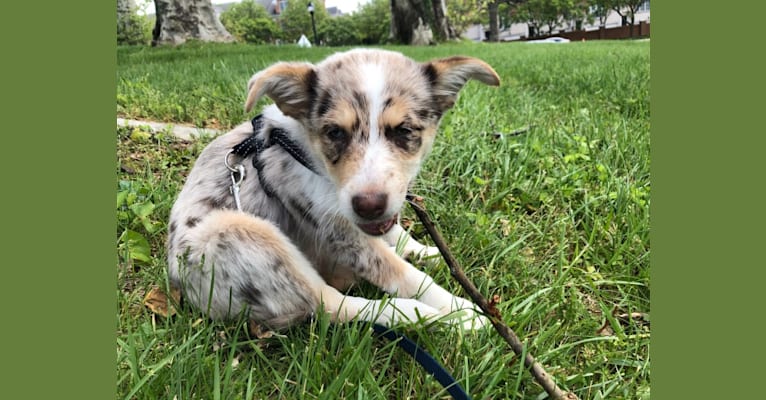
(541, 188)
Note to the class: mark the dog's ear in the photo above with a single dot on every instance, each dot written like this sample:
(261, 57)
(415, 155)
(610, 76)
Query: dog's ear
(449, 75)
(290, 85)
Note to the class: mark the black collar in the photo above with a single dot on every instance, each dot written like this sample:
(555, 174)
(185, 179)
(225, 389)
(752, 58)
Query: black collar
(254, 145)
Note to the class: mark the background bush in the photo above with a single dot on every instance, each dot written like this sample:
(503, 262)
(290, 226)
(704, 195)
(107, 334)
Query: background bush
(134, 29)
(340, 31)
(250, 22)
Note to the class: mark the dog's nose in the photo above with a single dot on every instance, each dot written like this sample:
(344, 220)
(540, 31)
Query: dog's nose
(369, 205)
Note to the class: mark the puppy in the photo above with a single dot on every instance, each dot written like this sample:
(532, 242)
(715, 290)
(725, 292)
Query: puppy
(280, 215)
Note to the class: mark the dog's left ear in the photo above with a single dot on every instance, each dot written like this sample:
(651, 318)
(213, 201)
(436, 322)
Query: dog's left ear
(449, 75)
(289, 84)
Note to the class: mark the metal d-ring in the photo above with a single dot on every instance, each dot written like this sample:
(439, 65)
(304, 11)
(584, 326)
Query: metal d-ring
(226, 162)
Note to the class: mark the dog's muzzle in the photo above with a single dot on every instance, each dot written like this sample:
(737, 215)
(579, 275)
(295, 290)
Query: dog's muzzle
(378, 228)
(370, 206)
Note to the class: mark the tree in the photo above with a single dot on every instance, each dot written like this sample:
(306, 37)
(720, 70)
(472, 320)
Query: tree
(341, 31)
(627, 9)
(463, 13)
(493, 9)
(419, 21)
(576, 12)
(296, 20)
(601, 10)
(249, 21)
(373, 21)
(131, 27)
(182, 20)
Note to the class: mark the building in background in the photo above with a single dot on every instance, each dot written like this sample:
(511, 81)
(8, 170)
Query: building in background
(520, 31)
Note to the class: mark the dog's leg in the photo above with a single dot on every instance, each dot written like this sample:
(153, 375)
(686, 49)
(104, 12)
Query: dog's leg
(232, 262)
(400, 239)
(236, 262)
(391, 273)
(344, 308)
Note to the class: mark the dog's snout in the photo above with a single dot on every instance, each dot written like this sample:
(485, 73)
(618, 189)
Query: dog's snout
(370, 205)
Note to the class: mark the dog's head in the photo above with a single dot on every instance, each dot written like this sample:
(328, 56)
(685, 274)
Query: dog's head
(372, 116)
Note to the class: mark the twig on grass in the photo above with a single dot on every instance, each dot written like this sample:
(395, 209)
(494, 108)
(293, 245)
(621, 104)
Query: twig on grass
(537, 370)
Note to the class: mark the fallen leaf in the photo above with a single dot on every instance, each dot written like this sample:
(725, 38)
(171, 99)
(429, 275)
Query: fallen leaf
(257, 331)
(405, 223)
(605, 330)
(640, 319)
(505, 227)
(157, 301)
(494, 301)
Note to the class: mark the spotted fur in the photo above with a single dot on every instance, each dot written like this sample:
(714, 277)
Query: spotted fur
(366, 120)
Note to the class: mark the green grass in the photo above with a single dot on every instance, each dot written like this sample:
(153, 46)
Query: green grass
(554, 220)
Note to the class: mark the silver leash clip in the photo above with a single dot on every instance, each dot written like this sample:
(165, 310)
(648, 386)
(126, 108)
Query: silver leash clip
(237, 174)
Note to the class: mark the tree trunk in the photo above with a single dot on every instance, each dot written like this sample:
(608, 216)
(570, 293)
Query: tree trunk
(442, 27)
(416, 22)
(181, 20)
(494, 30)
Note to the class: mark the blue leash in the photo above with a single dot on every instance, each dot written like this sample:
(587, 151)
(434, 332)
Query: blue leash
(254, 145)
(425, 360)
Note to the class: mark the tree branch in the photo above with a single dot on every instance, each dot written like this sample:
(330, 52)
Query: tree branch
(489, 308)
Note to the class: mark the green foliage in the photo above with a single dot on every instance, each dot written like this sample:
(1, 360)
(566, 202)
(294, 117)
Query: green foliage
(340, 31)
(369, 25)
(249, 22)
(135, 220)
(373, 21)
(464, 13)
(134, 29)
(296, 20)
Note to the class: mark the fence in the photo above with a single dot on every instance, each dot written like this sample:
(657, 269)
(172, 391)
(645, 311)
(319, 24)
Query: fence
(620, 32)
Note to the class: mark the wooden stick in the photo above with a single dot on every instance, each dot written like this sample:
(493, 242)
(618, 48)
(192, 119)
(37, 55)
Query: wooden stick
(489, 308)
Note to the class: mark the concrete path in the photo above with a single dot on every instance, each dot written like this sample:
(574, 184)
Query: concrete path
(179, 131)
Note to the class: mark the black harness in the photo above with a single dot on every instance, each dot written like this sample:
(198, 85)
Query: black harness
(254, 146)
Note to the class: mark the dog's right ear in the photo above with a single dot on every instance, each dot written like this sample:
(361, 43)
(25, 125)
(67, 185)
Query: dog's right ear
(290, 85)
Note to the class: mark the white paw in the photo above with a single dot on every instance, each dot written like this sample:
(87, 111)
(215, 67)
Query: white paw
(427, 254)
(419, 254)
(475, 322)
(466, 314)
(399, 310)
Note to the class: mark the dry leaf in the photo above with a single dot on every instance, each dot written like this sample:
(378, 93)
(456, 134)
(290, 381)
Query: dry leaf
(641, 319)
(505, 227)
(157, 301)
(494, 301)
(605, 330)
(256, 330)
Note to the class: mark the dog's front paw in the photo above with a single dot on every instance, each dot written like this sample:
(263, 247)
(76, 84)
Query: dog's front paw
(466, 314)
(408, 311)
(427, 255)
(475, 321)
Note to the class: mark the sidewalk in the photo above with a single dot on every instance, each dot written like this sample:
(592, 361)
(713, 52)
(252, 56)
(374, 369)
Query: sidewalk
(179, 131)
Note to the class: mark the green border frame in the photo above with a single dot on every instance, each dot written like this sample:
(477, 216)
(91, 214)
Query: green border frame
(58, 173)
(707, 216)
(59, 159)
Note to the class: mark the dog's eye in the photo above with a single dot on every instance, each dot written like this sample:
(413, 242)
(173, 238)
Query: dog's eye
(403, 137)
(335, 142)
(400, 131)
(336, 134)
